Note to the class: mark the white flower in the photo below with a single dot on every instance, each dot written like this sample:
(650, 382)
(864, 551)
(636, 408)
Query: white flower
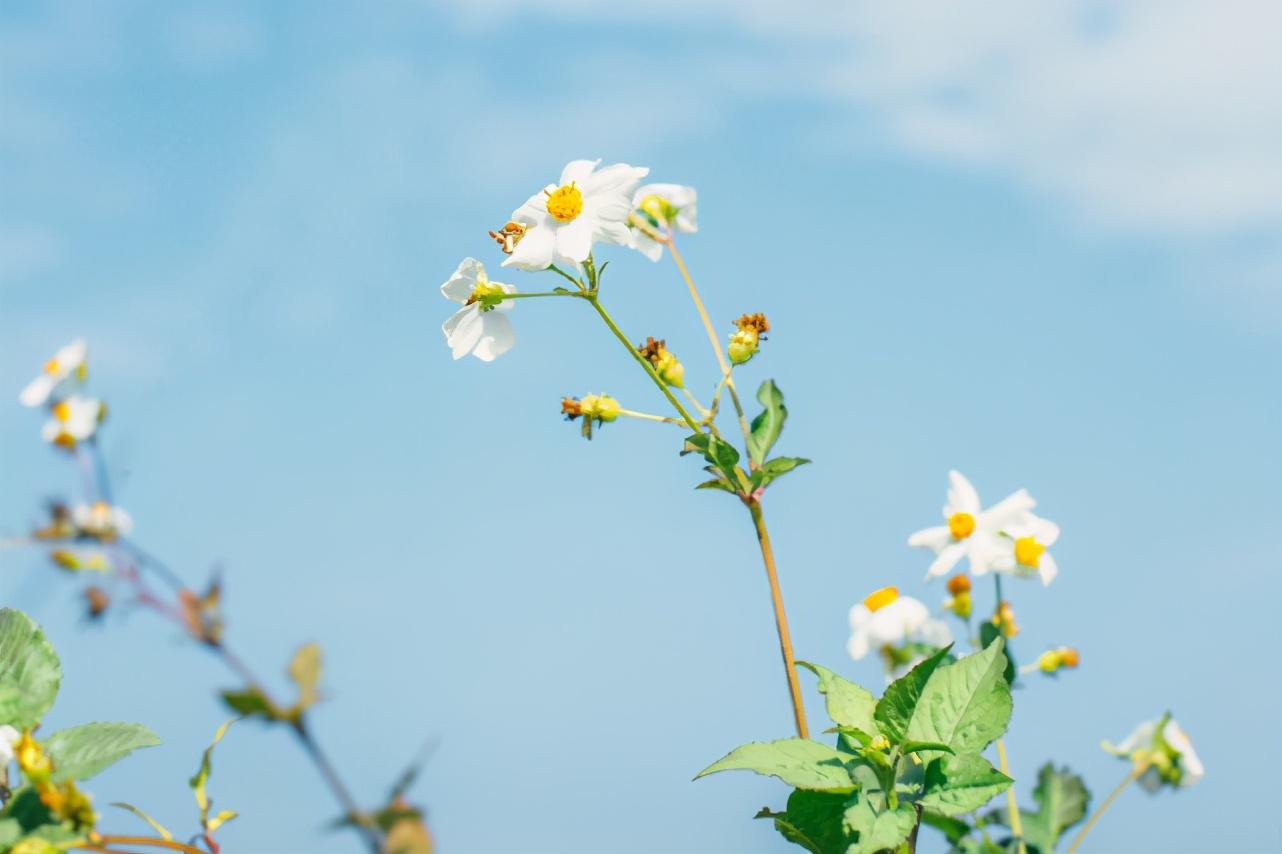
(66, 367)
(663, 207)
(885, 619)
(477, 328)
(75, 419)
(102, 520)
(971, 531)
(8, 738)
(1023, 549)
(1168, 758)
(564, 220)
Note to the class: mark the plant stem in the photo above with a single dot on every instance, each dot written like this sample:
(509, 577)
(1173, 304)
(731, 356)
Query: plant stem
(712, 337)
(1012, 806)
(781, 617)
(645, 416)
(149, 841)
(1134, 775)
(529, 294)
(645, 363)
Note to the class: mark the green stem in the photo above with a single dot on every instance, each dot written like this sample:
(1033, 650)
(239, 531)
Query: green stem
(644, 362)
(1108, 802)
(538, 294)
(1012, 807)
(781, 617)
(578, 284)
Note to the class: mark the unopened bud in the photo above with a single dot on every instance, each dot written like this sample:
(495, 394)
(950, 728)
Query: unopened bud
(750, 331)
(1004, 620)
(879, 742)
(665, 364)
(96, 601)
(1069, 657)
(959, 584)
(960, 604)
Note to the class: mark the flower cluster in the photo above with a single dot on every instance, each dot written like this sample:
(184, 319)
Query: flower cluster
(1006, 537)
(1161, 755)
(73, 418)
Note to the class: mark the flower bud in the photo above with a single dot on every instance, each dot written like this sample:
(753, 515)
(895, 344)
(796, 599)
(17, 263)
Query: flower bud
(960, 604)
(665, 364)
(959, 584)
(1004, 620)
(750, 331)
(1069, 657)
(879, 742)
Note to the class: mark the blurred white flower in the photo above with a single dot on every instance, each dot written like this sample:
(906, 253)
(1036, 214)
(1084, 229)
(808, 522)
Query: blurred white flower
(101, 520)
(8, 738)
(75, 419)
(1163, 749)
(65, 368)
(479, 327)
(1023, 549)
(563, 221)
(663, 208)
(970, 531)
(886, 619)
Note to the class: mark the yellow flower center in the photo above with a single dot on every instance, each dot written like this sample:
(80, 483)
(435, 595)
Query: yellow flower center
(565, 203)
(961, 525)
(1028, 551)
(483, 288)
(657, 208)
(61, 411)
(52, 366)
(879, 599)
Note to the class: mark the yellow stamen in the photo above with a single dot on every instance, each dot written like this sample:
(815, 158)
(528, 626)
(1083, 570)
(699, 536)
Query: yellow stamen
(961, 525)
(1028, 551)
(657, 208)
(565, 203)
(62, 411)
(879, 599)
(52, 366)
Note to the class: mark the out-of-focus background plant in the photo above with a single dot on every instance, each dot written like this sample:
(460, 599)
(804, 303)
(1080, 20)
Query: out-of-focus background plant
(1006, 241)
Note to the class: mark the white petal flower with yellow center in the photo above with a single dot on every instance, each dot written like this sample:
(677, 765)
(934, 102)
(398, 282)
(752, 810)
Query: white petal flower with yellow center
(1165, 753)
(65, 368)
(970, 530)
(662, 208)
(102, 520)
(481, 326)
(75, 419)
(1023, 549)
(8, 738)
(564, 220)
(886, 619)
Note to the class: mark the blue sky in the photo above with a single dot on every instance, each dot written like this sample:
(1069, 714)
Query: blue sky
(1042, 248)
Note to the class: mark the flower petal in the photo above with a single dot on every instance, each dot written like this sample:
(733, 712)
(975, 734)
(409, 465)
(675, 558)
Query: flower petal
(535, 251)
(37, 391)
(578, 171)
(463, 330)
(574, 240)
(496, 339)
(463, 281)
(962, 497)
(935, 539)
(946, 560)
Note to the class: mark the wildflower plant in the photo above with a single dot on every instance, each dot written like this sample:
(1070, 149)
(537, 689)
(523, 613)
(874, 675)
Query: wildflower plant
(930, 749)
(91, 541)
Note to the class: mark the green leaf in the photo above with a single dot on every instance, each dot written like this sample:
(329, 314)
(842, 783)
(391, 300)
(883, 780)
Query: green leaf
(305, 670)
(250, 703)
(24, 807)
(201, 777)
(879, 828)
(989, 633)
(964, 705)
(82, 751)
(896, 706)
(813, 820)
(771, 470)
(717, 483)
(958, 784)
(848, 704)
(766, 426)
(29, 671)
(161, 830)
(799, 762)
(1063, 800)
(718, 452)
(919, 746)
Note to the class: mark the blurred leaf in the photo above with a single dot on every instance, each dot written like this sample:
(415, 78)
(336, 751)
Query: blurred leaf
(774, 469)
(81, 752)
(958, 784)
(767, 426)
(305, 670)
(895, 708)
(964, 705)
(10, 832)
(408, 836)
(1063, 800)
(250, 703)
(848, 704)
(24, 807)
(799, 762)
(952, 828)
(160, 829)
(198, 782)
(29, 671)
(219, 820)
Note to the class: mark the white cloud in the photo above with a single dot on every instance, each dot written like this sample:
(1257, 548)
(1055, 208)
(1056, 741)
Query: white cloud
(1153, 115)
